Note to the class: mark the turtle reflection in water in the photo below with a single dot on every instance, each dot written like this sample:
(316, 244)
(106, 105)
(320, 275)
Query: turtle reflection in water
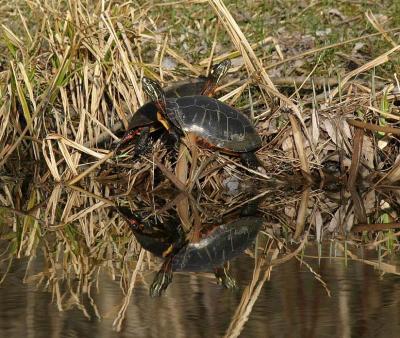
(217, 245)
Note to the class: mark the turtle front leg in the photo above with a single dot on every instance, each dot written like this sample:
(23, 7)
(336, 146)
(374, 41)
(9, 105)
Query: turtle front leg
(224, 278)
(138, 135)
(175, 137)
(172, 130)
(142, 144)
(162, 279)
(164, 276)
(126, 138)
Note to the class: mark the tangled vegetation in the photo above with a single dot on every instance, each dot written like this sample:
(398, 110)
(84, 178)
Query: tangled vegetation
(318, 81)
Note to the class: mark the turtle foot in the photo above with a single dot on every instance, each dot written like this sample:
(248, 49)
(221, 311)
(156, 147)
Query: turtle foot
(223, 278)
(160, 283)
(228, 282)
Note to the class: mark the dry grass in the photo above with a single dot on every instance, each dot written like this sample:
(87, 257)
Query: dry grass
(75, 76)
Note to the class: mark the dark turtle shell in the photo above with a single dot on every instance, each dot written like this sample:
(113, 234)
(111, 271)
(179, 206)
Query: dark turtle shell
(223, 244)
(144, 116)
(216, 123)
(147, 114)
(153, 237)
(186, 87)
(157, 245)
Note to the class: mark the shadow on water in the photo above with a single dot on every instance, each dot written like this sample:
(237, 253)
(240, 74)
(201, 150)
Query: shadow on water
(288, 262)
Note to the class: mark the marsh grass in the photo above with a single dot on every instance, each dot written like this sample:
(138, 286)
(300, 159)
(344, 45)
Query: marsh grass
(70, 79)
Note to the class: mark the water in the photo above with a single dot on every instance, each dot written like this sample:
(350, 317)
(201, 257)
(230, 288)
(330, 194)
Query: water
(292, 304)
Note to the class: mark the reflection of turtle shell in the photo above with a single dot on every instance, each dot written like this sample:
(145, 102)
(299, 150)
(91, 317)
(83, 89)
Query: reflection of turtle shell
(157, 245)
(222, 244)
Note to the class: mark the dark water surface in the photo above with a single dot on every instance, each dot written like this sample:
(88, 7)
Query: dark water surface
(292, 304)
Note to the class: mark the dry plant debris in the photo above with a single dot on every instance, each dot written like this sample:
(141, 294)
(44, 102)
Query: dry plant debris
(70, 79)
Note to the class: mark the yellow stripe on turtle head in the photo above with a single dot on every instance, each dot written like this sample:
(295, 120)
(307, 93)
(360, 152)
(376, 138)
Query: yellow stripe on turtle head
(164, 122)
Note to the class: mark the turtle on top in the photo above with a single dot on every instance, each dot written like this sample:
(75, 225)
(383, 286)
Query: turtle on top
(214, 124)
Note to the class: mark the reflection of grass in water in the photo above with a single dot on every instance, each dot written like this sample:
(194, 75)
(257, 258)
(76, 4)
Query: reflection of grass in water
(74, 257)
(68, 78)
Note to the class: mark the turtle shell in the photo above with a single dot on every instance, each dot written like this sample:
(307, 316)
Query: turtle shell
(214, 122)
(144, 116)
(186, 87)
(157, 245)
(223, 244)
(147, 114)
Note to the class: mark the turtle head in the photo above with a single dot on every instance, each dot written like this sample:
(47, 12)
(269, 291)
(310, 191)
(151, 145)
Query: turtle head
(153, 90)
(218, 71)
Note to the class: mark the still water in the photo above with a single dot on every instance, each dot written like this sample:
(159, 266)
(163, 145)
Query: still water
(292, 304)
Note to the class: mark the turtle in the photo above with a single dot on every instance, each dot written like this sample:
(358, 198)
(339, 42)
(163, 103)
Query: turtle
(217, 245)
(144, 120)
(214, 124)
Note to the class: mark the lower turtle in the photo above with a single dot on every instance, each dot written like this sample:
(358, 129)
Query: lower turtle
(145, 120)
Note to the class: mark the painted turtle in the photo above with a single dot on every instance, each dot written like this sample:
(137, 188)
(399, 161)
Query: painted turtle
(217, 245)
(214, 123)
(145, 118)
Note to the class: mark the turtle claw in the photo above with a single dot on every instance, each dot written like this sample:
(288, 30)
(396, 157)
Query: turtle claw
(228, 282)
(160, 283)
(224, 279)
